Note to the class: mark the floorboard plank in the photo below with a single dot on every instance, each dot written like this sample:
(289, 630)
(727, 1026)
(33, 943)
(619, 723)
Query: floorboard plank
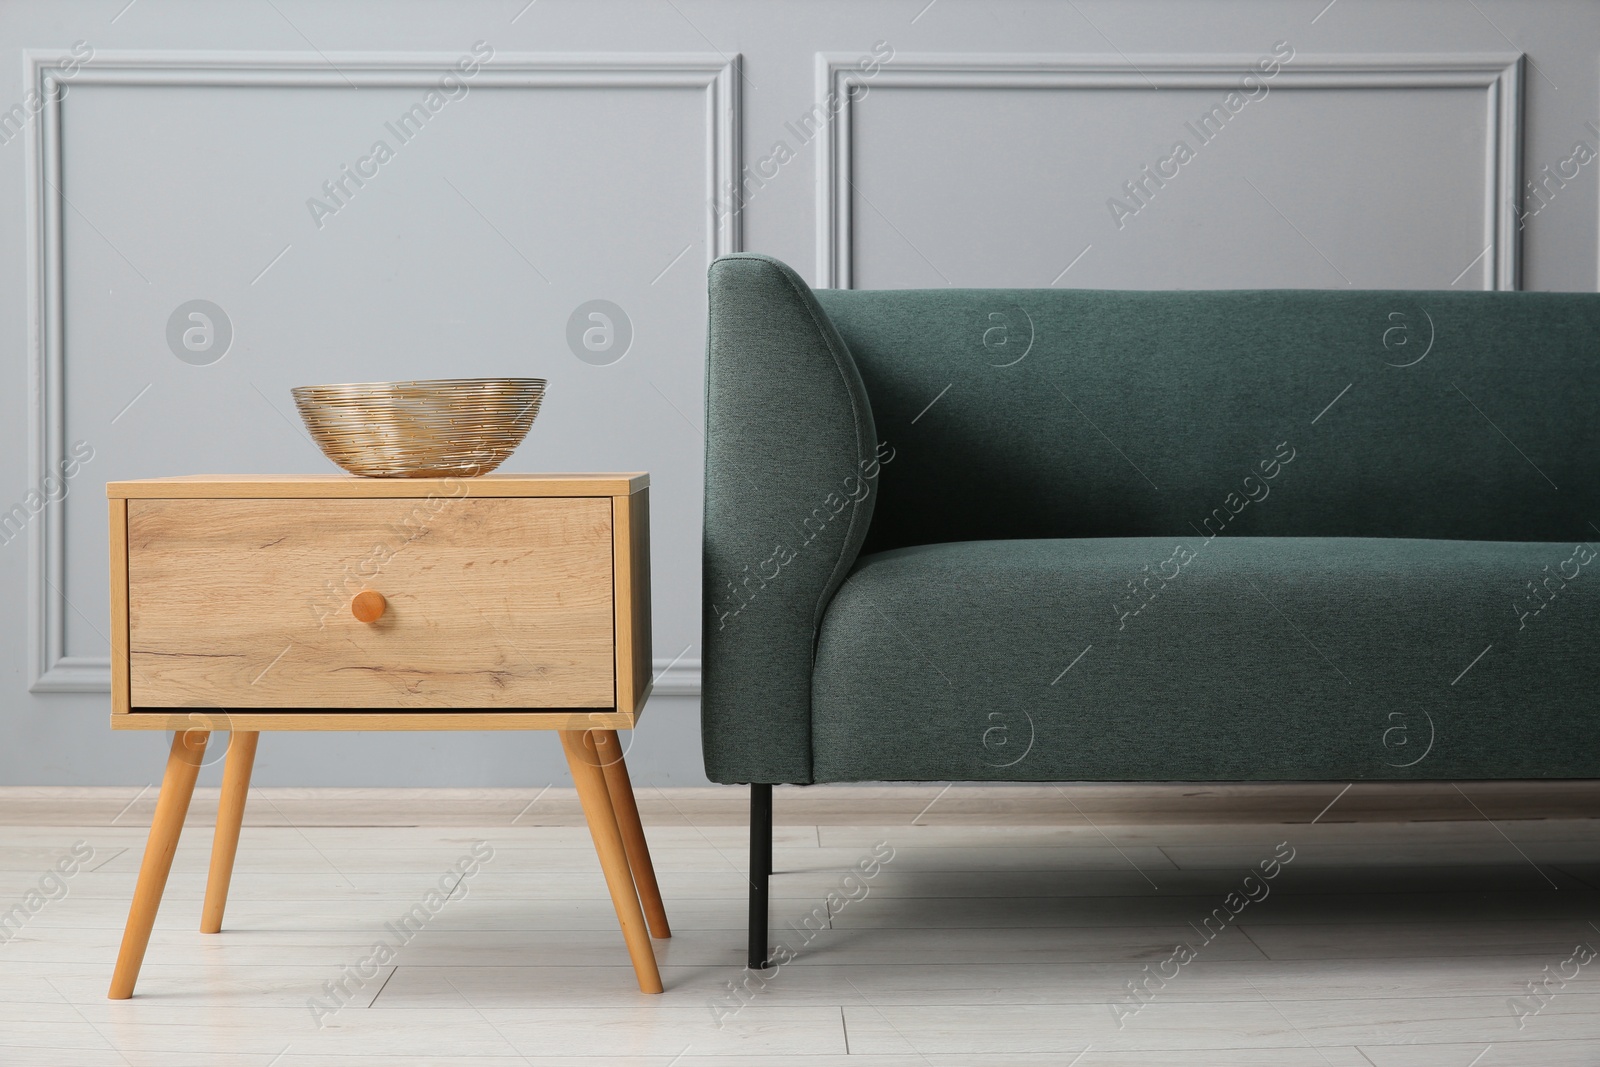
(1006, 930)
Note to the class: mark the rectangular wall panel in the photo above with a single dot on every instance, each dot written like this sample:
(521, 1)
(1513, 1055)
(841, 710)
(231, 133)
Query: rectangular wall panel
(1277, 170)
(390, 217)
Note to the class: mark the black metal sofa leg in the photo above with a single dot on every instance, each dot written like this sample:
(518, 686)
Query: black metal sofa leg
(760, 871)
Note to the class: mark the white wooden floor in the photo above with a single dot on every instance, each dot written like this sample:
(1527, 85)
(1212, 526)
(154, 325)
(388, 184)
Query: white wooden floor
(1002, 931)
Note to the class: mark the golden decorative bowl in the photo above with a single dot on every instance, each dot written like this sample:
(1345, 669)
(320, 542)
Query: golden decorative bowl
(458, 427)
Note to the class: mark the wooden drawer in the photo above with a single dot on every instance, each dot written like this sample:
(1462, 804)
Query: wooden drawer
(496, 602)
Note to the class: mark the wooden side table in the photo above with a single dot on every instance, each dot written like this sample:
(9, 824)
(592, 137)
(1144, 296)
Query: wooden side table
(506, 602)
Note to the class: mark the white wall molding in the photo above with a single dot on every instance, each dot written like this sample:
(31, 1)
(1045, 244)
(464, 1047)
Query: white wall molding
(677, 678)
(51, 669)
(1498, 75)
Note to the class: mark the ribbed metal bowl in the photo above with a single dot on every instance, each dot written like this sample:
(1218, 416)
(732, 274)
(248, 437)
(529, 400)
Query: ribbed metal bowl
(452, 427)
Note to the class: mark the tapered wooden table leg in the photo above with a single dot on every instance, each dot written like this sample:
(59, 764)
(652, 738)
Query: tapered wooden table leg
(627, 809)
(584, 762)
(177, 787)
(230, 816)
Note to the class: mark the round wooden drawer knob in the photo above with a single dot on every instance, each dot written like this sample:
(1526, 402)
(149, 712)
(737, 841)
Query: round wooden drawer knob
(368, 605)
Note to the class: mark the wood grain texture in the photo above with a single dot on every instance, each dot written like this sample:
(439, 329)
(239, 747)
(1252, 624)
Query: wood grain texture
(492, 603)
(118, 538)
(303, 486)
(387, 719)
(631, 521)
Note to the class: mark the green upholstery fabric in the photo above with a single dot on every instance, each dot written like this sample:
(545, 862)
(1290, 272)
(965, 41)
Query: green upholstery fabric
(790, 479)
(1195, 388)
(1263, 658)
(1461, 421)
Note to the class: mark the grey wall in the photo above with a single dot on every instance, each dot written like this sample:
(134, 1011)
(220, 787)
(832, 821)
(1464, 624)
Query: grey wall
(594, 155)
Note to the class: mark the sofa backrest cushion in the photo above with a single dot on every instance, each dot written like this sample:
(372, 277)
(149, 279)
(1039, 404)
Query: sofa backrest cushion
(1094, 413)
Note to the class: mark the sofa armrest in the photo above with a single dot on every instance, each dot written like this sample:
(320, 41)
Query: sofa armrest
(791, 473)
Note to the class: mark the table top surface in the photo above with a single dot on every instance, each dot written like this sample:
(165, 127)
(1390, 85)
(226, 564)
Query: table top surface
(267, 486)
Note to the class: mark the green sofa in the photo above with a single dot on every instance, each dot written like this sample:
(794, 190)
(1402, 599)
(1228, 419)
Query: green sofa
(1084, 535)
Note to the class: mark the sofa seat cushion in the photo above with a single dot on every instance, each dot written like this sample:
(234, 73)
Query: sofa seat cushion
(1228, 659)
